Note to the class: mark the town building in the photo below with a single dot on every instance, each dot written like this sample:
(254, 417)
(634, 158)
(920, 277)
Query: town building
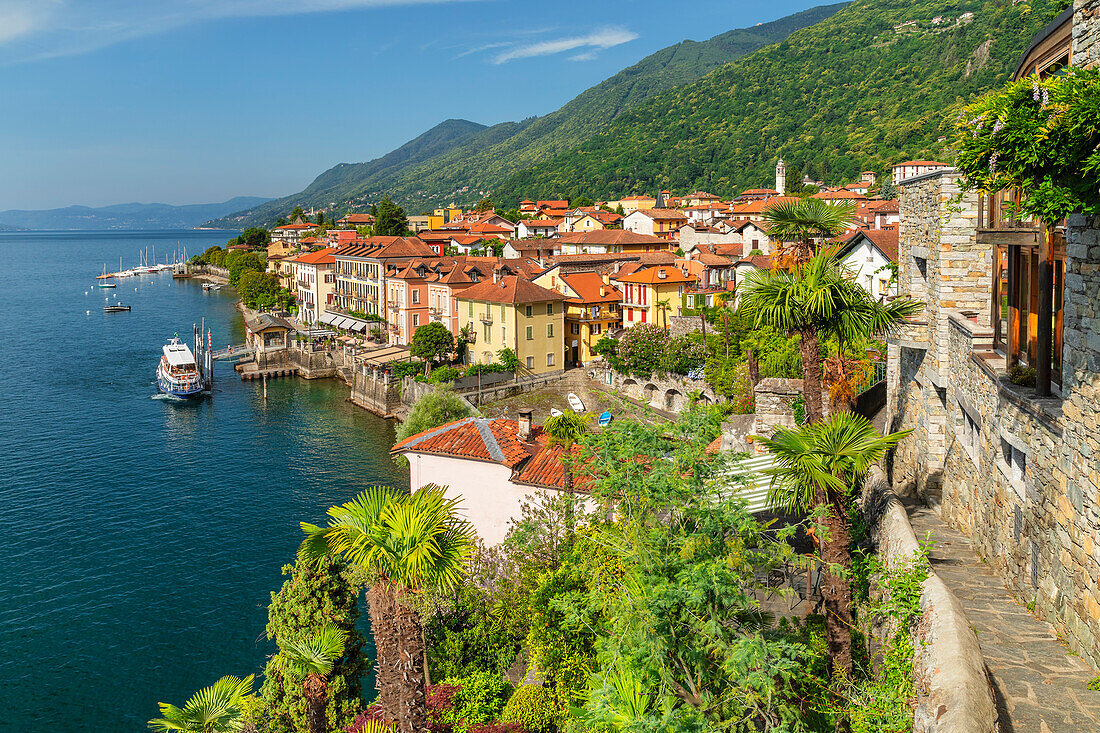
(359, 271)
(999, 377)
(529, 228)
(513, 312)
(662, 223)
(872, 256)
(608, 241)
(315, 281)
(652, 294)
(591, 310)
(291, 233)
(913, 168)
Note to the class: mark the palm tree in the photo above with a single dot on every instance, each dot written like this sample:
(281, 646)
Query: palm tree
(821, 467)
(815, 300)
(213, 709)
(564, 431)
(411, 544)
(663, 307)
(803, 221)
(311, 659)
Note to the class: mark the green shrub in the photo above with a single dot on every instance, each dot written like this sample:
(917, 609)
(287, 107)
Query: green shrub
(532, 707)
(444, 374)
(403, 369)
(1094, 683)
(1022, 375)
(479, 700)
(474, 369)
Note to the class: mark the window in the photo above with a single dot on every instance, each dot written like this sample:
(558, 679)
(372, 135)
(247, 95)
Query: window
(550, 359)
(530, 362)
(597, 328)
(488, 333)
(416, 320)
(504, 334)
(574, 328)
(1013, 464)
(416, 296)
(549, 309)
(530, 333)
(527, 311)
(471, 308)
(550, 330)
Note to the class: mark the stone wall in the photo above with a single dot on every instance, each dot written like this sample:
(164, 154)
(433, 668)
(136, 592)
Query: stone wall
(669, 394)
(1086, 33)
(774, 398)
(1018, 473)
(954, 694)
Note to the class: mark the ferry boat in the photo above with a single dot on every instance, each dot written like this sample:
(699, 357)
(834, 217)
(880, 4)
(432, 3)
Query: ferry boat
(178, 374)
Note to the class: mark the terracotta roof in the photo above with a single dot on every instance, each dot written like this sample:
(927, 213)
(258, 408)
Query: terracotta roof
(761, 190)
(297, 226)
(382, 247)
(713, 260)
(663, 214)
(587, 286)
(652, 275)
(610, 236)
(758, 207)
(839, 195)
(919, 162)
(320, 257)
(510, 289)
(760, 262)
(546, 468)
(474, 438)
(542, 223)
(638, 198)
(554, 204)
(357, 219)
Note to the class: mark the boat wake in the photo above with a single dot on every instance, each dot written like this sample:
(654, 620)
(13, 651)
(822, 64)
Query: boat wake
(168, 398)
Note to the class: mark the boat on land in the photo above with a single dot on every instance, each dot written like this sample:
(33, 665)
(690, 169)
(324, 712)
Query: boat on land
(605, 419)
(555, 412)
(179, 374)
(116, 308)
(575, 403)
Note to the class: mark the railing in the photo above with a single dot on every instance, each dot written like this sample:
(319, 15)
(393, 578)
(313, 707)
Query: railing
(878, 374)
(232, 352)
(487, 318)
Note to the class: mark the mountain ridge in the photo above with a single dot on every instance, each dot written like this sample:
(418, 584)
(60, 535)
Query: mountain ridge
(131, 215)
(486, 155)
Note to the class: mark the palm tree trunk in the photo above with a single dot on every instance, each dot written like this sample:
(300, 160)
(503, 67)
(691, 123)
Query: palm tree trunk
(811, 375)
(836, 590)
(382, 609)
(410, 671)
(313, 689)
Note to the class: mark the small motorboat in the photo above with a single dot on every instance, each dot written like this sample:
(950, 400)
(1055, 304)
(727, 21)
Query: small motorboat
(116, 308)
(555, 412)
(605, 419)
(575, 403)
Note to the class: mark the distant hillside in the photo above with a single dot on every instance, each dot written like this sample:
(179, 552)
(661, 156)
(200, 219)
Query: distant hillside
(123, 216)
(435, 167)
(870, 86)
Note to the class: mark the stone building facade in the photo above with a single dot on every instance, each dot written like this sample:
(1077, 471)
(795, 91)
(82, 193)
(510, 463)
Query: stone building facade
(1086, 39)
(1019, 473)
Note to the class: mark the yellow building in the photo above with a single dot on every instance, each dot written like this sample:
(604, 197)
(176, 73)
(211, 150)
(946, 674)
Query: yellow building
(652, 295)
(518, 314)
(634, 203)
(439, 217)
(592, 309)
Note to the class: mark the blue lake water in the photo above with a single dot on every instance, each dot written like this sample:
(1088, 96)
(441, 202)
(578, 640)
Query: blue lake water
(144, 537)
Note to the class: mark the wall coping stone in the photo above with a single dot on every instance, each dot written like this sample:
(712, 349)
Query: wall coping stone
(975, 331)
(954, 694)
(929, 175)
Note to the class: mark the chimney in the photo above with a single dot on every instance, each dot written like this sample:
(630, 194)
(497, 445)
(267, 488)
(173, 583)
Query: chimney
(524, 424)
(606, 279)
(603, 291)
(662, 274)
(496, 275)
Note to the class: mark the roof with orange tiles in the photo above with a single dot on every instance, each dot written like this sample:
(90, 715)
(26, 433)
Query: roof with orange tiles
(587, 286)
(833, 195)
(547, 470)
(771, 191)
(713, 260)
(320, 257)
(554, 204)
(663, 214)
(382, 247)
(542, 223)
(512, 290)
(473, 438)
(884, 240)
(759, 206)
(296, 227)
(653, 276)
(610, 236)
(638, 198)
(357, 219)
(919, 162)
(760, 262)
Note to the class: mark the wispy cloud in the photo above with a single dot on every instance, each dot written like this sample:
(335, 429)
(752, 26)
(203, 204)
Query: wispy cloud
(38, 29)
(596, 41)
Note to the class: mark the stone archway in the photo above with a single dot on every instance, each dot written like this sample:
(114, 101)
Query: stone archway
(650, 393)
(674, 400)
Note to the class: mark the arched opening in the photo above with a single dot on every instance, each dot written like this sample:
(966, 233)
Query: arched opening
(650, 392)
(673, 400)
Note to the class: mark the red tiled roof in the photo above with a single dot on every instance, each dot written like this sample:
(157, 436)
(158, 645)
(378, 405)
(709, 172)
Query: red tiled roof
(297, 226)
(760, 262)
(885, 240)
(652, 275)
(357, 219)
(663, 214)
(919, 162)
(610, 236)
(758, 207)
(839, 195)
(474, 438)
(320, 257)
(381, 247)
(511, 290)
(587, 286)
(761, 190)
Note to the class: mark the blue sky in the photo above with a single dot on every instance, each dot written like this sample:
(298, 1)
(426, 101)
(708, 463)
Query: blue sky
(191, 101)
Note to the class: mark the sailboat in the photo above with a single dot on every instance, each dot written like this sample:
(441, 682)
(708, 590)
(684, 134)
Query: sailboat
(103, 282)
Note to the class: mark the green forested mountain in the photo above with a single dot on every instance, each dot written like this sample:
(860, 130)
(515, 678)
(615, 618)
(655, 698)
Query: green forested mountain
(871, 85)
(435, 167)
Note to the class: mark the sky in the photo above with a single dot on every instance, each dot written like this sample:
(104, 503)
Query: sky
(197, 101)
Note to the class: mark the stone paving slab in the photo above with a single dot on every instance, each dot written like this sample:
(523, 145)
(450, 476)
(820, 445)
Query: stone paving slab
(1040, 686)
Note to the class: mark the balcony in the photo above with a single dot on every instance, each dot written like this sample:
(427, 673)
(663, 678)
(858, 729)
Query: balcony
(487, 319)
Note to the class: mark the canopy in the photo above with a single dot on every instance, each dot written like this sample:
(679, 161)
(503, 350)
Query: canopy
(328, 318)
(360, 326)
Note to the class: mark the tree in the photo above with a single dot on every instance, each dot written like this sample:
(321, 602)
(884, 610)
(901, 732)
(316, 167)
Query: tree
(312, 659)
(319, 592)
(411, 544)
(484, 205)
(213, 709)
(663, 307)
(432, 342)
(297, 214)
(242, 263)
(820, 467)
(320, 218)
(815, 300)
(565, 430)
(436, 408)
(509, 359)
(389, 219)
(888, 190)
(582, 202)
(255, 237)
(802, 222)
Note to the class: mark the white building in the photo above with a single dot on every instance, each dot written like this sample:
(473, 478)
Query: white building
(913, 168)
(869, 254)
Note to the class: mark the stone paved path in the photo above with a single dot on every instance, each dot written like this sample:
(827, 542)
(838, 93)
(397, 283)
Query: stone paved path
(1040, 687)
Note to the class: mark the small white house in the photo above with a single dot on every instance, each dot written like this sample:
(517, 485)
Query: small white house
(871, 255)
(538, 228)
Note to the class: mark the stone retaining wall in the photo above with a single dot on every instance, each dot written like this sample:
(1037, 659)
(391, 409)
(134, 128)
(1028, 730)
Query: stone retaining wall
(1086, 33)
(954, 694)
(669, 393)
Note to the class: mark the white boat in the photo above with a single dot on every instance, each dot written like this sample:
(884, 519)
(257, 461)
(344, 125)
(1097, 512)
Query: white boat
(555, 412)
(575, 403)
(105, 284)
(178, 374)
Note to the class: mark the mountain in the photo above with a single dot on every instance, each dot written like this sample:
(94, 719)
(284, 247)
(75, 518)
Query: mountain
(876, 83)
(123, 216)
(458, 159)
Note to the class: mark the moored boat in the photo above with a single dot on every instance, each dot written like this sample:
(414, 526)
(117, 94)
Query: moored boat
(116, 308)
(575, 403)
(178, 373)
(105, 284)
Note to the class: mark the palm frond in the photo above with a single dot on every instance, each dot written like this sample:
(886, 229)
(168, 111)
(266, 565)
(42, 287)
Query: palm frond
(315, 654)
(212, 709)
